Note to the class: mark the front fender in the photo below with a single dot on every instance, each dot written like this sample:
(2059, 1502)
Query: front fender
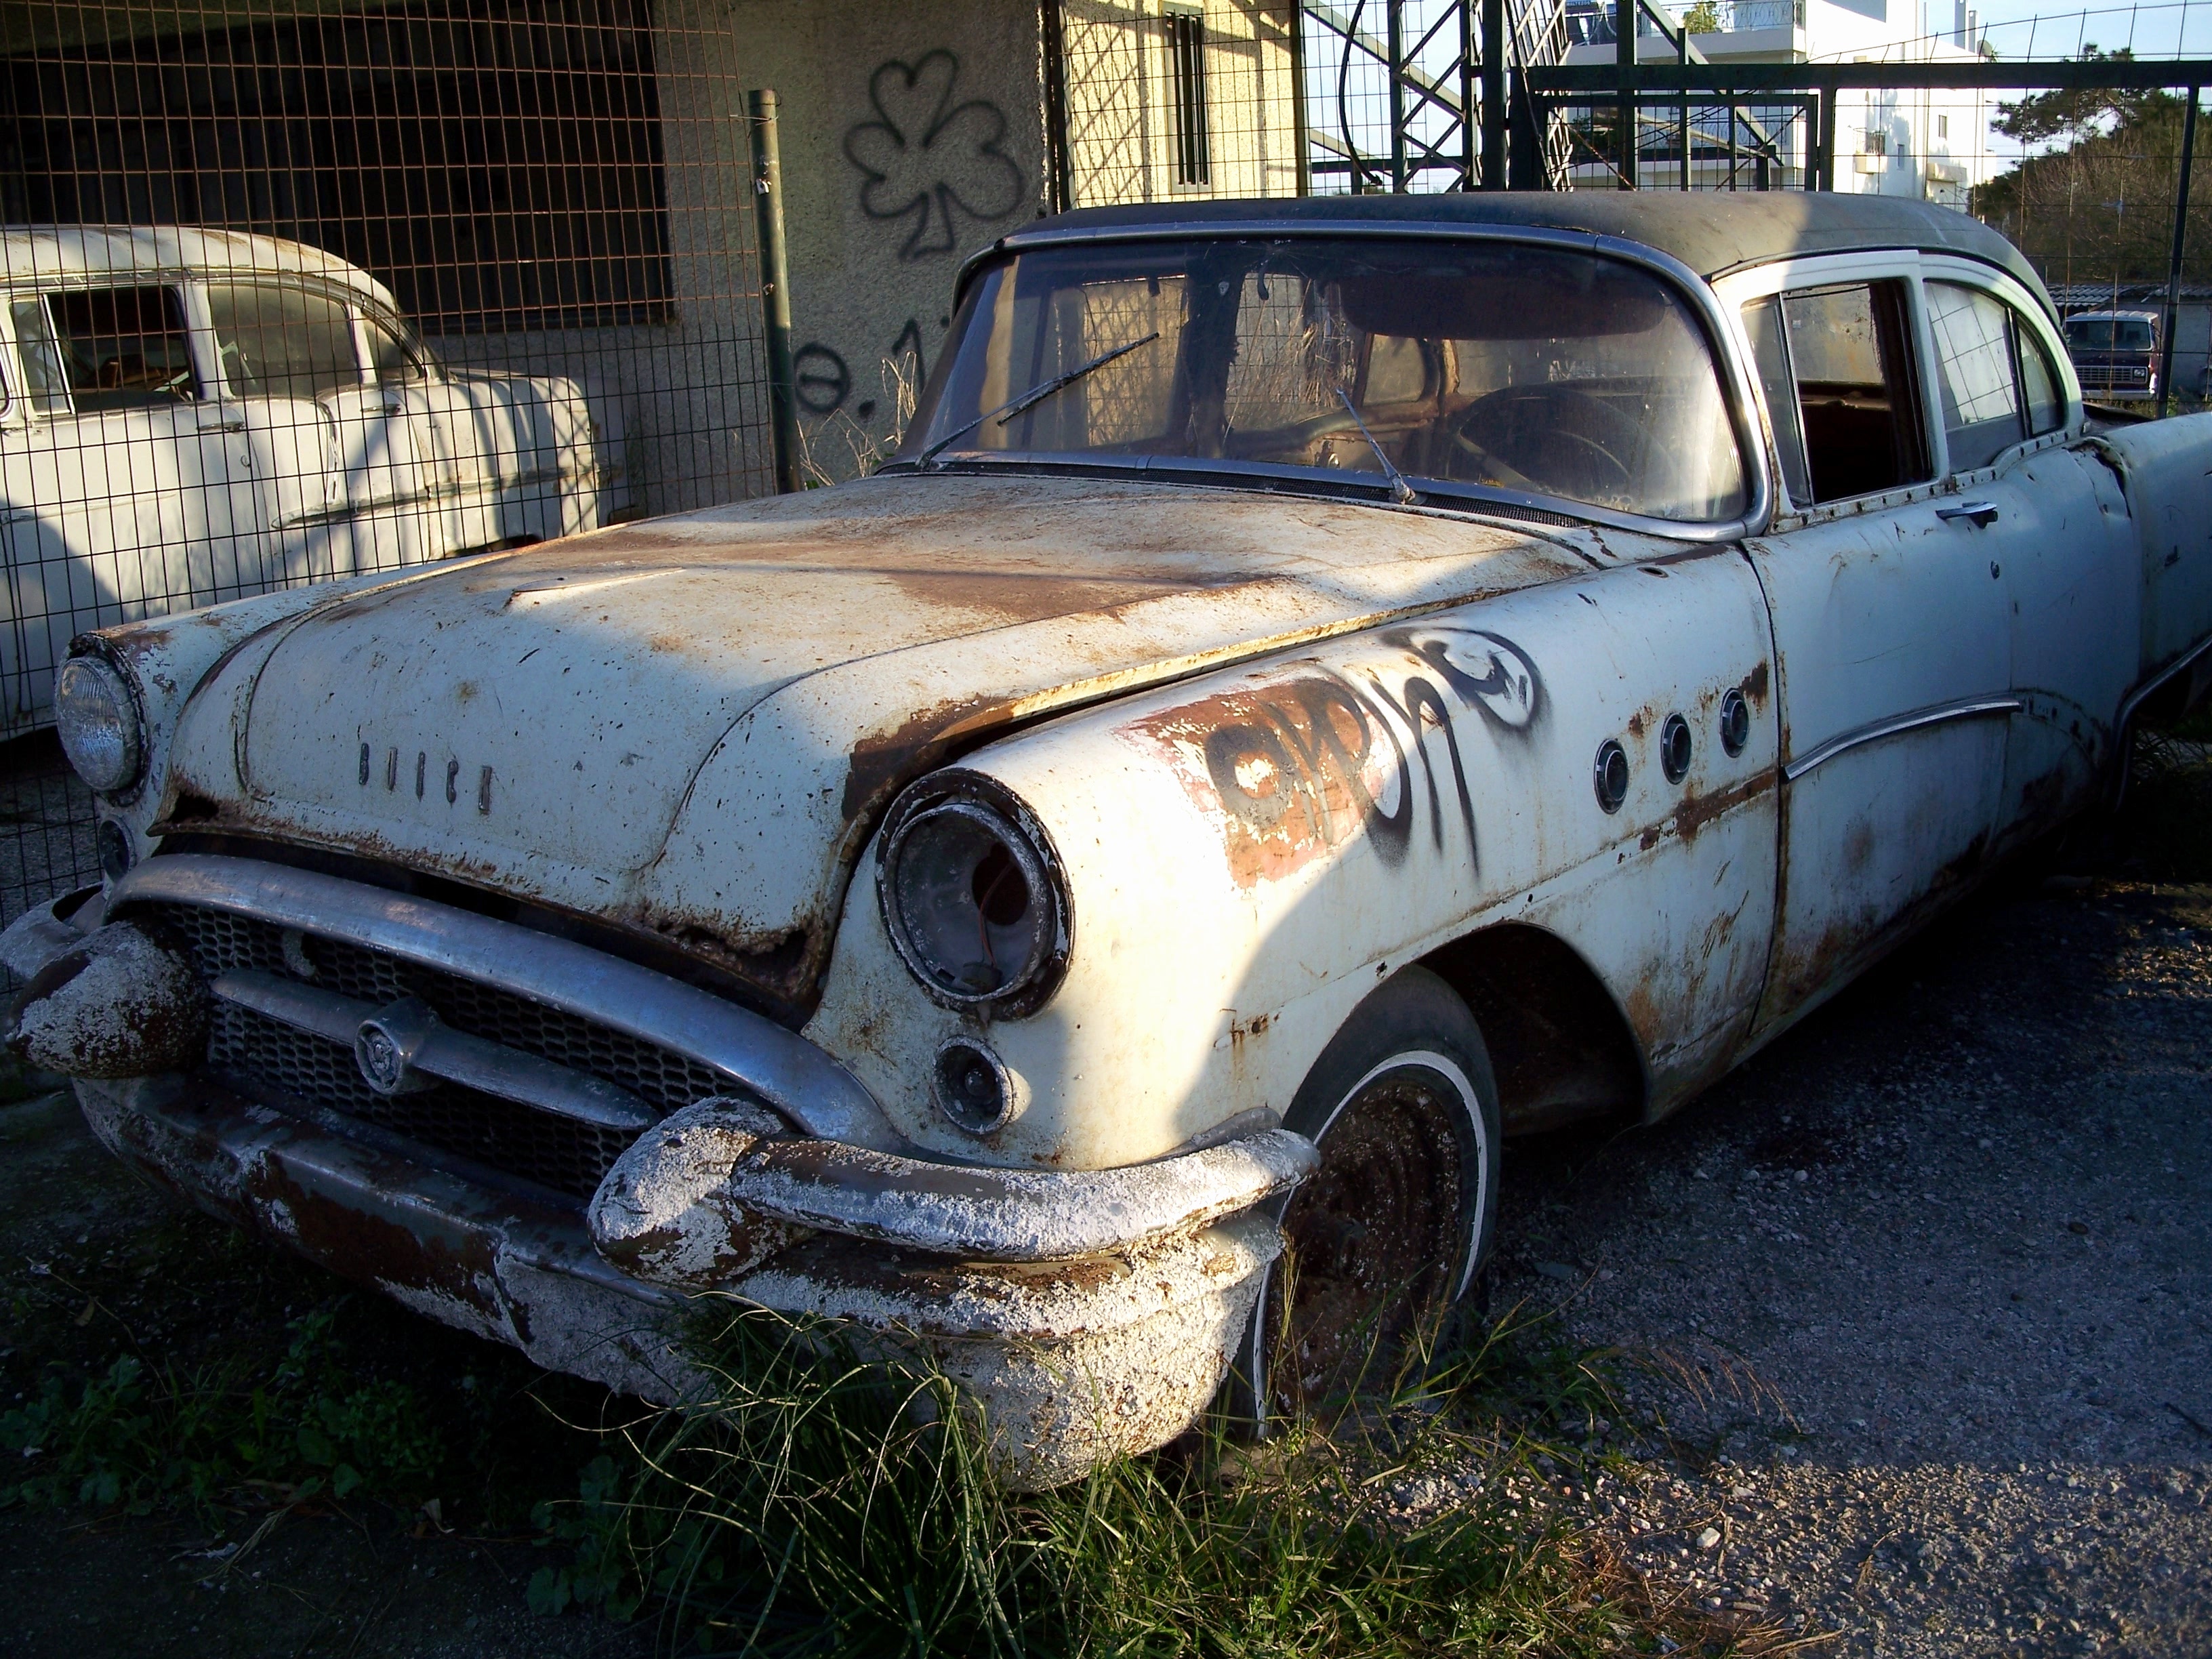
(1249, 853)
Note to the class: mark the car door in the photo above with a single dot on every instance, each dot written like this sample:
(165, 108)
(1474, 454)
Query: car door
(347, 483)
(2053, 521)
(118, 478)
(1892, 643)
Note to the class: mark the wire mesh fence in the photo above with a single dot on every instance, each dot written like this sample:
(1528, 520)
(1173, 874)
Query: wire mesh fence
(301, 292)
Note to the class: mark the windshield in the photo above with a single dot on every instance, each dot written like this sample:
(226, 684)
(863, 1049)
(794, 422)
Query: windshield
(1511, 366)
(2108, 334)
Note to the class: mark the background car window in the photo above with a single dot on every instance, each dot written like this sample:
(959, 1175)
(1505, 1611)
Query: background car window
(123, 347)
(1856, 399)
(277, 342)
(45, 378)
(390, 356)
(1770, 352)
(2043, 392)
(1973, 335)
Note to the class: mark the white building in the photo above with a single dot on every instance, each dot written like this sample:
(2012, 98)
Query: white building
(1895, 142)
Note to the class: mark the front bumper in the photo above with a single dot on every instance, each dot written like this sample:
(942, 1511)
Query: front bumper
(1069, 1361)
(1086, 1312)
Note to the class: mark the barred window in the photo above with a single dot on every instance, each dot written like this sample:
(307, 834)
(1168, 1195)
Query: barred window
(1186, 68)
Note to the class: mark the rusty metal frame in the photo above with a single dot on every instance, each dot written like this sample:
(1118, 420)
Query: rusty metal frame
(1735, 382)
(783, 1069)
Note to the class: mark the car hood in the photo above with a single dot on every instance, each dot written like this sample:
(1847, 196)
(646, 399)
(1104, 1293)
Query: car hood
(690, 726)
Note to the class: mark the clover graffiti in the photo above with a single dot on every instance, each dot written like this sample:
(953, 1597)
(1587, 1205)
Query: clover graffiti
(928, 154)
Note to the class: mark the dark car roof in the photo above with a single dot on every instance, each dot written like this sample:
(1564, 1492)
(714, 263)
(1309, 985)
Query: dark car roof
(1712, 232)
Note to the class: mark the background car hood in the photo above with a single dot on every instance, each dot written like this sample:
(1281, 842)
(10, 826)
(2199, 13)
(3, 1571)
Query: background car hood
(690, 726)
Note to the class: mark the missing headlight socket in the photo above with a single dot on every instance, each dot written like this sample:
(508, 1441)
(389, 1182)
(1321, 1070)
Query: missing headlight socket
(973, 896)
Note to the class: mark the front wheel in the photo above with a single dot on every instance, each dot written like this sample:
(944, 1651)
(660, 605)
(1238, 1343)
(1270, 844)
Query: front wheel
(1390, 1231)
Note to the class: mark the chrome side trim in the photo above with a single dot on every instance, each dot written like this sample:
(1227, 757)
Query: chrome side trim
(435, 1049)
(1967, 709)
(781, 1068)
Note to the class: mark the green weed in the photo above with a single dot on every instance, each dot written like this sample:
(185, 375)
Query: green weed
(134, 1439)
(819, 1503)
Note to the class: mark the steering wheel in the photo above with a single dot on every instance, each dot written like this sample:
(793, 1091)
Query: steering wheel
(1562, 440)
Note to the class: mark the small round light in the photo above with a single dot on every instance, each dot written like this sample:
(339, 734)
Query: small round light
(1609, 774)
(1675, 749)
(1735, 722)
(973, 1088)
(96, 717)
(969, 901)
(113, 841)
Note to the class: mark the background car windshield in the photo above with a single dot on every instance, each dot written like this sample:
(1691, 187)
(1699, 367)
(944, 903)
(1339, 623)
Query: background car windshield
(2109, 334)
(1517, 367)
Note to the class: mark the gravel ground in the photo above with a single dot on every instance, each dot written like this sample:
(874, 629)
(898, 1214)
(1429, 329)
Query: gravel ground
(1918, 1308)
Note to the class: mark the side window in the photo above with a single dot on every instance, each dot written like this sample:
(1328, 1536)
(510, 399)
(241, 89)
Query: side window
(277, 342)
(1851, 356)
(1974, 373)
(45, 378)
(389, 355)
(123, 347)
(1770, 351)
(2045, 393)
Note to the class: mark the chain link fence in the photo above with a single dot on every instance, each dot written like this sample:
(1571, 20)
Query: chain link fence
(296, 292)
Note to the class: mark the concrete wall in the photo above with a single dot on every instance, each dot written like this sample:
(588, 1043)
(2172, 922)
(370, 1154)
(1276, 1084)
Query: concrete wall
(911, 134)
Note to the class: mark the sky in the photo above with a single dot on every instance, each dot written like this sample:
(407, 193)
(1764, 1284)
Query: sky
(2018, 29)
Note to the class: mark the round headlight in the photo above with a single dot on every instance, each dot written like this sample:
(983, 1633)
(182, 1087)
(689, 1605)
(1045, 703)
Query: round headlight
(96, 717)
(970, 900)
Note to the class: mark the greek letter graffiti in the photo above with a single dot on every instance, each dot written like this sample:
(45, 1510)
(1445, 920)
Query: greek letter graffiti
(819, 378)
(1304, 764)
(926, 154)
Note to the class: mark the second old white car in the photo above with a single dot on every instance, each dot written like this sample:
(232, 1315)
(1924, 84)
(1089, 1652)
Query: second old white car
(1325, 685)
(191, 415)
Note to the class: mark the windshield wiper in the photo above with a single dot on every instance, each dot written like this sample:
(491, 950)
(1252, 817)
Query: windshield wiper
(1035, 395)
(1401, 491)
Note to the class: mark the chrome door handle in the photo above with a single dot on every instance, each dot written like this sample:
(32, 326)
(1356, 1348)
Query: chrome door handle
(1981, 513)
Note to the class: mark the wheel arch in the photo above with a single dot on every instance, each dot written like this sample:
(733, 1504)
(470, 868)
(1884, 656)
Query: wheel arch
(1562, 1049)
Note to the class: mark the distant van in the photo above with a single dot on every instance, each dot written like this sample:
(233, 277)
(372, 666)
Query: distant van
(192, 416)
(2115, 353)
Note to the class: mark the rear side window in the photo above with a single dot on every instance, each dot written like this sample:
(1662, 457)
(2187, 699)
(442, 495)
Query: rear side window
(45, 377)
(277, 342)
(123, 347)
(1997, 386)
(1844, 361)
(389, 355)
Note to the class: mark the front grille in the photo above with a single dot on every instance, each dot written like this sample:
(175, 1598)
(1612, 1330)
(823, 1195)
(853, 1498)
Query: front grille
(265, 1056)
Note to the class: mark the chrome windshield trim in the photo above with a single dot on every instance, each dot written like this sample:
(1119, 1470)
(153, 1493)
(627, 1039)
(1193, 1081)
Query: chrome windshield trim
(1367, 489)
(783, 1069)
(1966, 708)
(1735, 379)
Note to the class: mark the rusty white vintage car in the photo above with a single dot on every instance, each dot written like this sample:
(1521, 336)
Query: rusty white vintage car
(1325, 685)
(190, 416)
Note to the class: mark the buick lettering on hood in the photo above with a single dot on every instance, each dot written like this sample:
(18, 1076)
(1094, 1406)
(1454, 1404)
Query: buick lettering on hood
(1324, 685)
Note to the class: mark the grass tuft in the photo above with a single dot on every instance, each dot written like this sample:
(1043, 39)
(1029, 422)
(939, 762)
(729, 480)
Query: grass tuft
(820, 1502)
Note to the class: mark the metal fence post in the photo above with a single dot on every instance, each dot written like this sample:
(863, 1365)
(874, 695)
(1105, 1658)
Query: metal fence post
(1829, 98)
(1494, 94)
(1060, 182)
(1625, 19)
(775, 287)
(2180, 242)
